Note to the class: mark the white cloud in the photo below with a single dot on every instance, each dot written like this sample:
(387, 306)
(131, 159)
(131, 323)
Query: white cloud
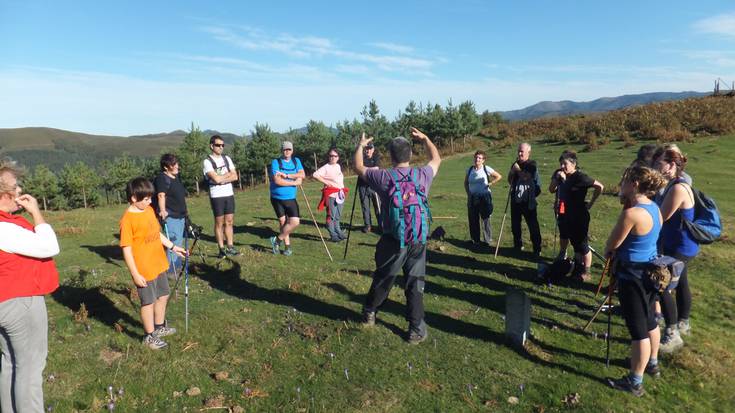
(719, 58)
(393, 47)
(721, 24)
(311, 46)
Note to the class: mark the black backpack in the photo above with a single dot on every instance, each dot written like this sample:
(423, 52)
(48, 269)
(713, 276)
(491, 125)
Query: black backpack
(296, 161)
(207, 181)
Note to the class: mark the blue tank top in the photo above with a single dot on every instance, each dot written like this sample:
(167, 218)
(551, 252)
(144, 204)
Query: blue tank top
(641, 248)
(676, 239)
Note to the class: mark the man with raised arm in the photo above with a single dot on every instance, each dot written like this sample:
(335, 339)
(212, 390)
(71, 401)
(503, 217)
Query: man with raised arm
(403, 191)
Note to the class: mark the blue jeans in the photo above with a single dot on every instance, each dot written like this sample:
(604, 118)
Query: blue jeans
(174, 230)
(23, 348)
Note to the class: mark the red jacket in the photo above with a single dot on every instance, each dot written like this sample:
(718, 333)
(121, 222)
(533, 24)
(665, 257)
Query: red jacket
(329, 190)
(22, 276)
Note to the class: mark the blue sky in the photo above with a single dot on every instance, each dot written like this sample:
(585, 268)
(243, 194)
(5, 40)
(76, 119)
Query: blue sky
(124, 68)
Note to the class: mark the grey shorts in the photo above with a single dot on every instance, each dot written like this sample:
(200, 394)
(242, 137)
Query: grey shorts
(155, 289)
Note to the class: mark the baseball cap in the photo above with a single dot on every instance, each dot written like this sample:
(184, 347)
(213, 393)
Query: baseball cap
(286, 145)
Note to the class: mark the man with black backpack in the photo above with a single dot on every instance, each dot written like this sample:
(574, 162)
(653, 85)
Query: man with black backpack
(404, 192)
(525, 186)
(286, 175)
(219, 173)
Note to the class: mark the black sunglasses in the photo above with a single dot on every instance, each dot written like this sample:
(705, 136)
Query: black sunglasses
(218, 145)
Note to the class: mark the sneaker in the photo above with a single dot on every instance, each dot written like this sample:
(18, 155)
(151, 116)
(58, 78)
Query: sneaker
(163, 331)
(660, 320)
(366, 229)
(343, 235)
(368, 318)
(625, 384)
(275, 242)
(335, 239)
(287, 252)
(671, 341)
(684, 328)
(222, 253)
(415, 337)
(653, 370)
(232, 251)
(154, 342)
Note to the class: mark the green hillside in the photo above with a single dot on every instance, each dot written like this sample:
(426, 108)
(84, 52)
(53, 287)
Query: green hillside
(274, 333)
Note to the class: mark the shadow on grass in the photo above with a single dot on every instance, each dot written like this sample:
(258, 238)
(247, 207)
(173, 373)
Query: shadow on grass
(99, 305)
(112, 254)
(229, 282)
(473, 331)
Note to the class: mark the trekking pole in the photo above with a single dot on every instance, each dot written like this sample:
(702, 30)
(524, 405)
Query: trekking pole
(607, 336)
(349, 230)
(502, 224)
(181, 271)
(602, 276)
(611, 288)
(315, 224)
(186, 285)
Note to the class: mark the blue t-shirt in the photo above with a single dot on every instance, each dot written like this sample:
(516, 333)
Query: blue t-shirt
(291, 166)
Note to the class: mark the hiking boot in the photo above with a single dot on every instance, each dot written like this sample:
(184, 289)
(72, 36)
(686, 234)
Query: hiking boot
(368, 318)
(343, 235)
(288, 252)
(415, 337)
(275, 244)
(653, 370)
(366, 229)
(232, 251)
(584, 277)
(163, 331)
(671, 341)
(222, 253)
(335, 239)
(153, 342)
(625, 384)
(684, 328)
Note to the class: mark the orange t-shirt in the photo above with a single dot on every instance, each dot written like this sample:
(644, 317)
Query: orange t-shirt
(141, 231)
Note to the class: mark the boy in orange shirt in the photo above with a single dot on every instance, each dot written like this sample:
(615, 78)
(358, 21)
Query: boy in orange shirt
(142, 243)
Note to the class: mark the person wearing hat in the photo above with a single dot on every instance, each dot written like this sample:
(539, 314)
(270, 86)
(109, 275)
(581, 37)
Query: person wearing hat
(371, 160)
(286, 175)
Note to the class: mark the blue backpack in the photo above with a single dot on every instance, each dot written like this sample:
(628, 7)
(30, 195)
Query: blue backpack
(408, 211)
(706, 226)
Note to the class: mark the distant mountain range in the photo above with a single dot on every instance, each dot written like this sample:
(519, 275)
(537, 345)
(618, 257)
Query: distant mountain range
(549, 109)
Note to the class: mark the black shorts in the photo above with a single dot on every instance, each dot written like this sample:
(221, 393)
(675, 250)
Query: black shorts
(575, 228)
(637, 304)
(223, 205)
(285, 207)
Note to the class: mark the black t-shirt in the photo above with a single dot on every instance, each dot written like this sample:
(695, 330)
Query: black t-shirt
(573, 191)
(369, 163)
(175, 194)
(524, 184)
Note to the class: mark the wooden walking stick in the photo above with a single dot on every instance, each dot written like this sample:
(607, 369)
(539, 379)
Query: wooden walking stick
(502, 224)
(315, 224)
(602, 276)
(349, 230)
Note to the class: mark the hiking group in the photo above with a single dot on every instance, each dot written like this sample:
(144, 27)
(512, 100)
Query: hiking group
(662, 214)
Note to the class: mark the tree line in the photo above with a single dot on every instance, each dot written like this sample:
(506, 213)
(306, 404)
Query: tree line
(78, 185)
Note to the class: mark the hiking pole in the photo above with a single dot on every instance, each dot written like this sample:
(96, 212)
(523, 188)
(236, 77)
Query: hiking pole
(597, 254)
(186, 285)
(602, 276)
(315, 224)
(610, 290)
(349, 230)
(181, 271)
(607, 336)
(502, 224)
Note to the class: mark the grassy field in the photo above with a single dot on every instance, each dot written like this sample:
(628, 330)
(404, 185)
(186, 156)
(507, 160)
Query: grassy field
(276, 333)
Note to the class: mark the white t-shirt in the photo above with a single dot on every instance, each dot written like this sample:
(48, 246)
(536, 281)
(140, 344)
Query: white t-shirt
(219, 191)
(478, 180)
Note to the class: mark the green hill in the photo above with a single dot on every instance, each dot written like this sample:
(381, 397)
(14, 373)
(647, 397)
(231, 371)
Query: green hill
(281, 334)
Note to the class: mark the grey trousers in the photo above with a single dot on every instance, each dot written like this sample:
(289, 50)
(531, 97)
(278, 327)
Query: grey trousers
(24, 346)
(334, 214)
(367, 197)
